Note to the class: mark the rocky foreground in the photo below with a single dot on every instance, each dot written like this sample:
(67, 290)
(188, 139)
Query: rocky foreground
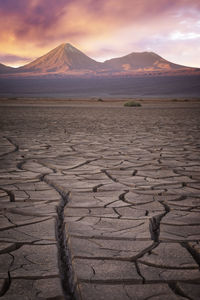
(100, 202)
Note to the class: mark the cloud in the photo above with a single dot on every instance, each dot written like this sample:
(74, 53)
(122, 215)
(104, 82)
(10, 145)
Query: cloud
(102, 28)
(14, 60)
(184, 36)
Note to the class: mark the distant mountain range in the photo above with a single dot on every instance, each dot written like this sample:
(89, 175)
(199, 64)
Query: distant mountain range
(66, 60)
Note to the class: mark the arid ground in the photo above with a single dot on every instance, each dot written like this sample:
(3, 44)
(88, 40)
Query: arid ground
(99, 201)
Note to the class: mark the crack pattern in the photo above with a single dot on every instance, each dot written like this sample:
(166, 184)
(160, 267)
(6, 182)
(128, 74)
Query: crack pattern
(99, 215)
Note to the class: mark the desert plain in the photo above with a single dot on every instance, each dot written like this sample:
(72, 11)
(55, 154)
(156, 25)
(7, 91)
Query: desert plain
(98, 200)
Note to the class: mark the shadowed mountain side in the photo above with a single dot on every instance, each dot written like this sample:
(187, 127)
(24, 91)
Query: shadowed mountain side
(5, 69)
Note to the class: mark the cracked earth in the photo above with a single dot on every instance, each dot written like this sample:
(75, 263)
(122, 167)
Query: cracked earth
(100, 203)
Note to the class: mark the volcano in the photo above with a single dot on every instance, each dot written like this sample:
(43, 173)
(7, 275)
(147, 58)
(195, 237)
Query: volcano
(62, 59)
(66, 60)
(144, 61)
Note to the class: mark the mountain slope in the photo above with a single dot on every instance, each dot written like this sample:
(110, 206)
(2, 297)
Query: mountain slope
(144, 61)
(6, 70)
(62, 59)
(66, 60)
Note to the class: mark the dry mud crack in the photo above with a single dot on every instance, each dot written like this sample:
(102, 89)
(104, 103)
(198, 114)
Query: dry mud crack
(99, 203)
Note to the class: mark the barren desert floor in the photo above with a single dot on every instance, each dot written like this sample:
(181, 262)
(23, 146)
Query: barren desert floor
(99, 201)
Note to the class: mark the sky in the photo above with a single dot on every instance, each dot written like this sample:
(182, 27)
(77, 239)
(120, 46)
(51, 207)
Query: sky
(102, 29)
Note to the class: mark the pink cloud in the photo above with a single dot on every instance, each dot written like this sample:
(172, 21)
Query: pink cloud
(30, 28)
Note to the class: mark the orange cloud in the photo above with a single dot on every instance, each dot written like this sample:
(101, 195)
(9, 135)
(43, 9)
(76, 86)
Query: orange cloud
(100, 28)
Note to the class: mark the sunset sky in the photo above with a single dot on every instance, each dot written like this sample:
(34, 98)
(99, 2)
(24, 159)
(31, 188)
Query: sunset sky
(102, 29)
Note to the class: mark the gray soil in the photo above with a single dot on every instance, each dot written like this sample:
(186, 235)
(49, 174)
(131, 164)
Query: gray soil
(99, 201)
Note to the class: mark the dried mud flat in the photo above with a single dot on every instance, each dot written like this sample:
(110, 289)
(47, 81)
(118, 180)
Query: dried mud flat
(100, 202)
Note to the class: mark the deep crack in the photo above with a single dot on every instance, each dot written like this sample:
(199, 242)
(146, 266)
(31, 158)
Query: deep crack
(64, 257)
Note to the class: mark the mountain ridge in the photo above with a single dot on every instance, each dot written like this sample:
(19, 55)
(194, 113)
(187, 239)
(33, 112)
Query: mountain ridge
(65, 59)
(4, 68)
(138, 60)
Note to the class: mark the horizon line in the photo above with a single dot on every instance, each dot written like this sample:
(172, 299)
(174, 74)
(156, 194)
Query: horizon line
(96, 59)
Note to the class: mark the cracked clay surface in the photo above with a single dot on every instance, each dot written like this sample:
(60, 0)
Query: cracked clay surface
(100, 203)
